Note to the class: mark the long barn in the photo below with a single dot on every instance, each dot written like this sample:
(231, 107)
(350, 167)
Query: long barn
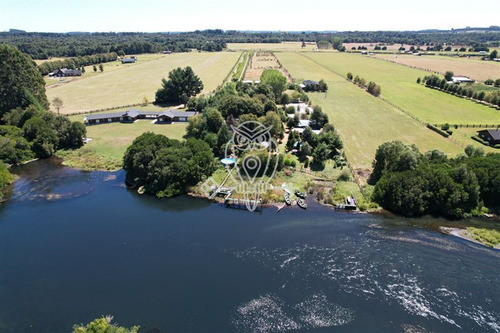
(129, 116)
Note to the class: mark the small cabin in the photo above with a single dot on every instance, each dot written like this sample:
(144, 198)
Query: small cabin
(490, 135)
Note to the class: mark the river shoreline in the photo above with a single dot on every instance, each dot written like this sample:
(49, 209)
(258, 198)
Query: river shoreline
(457, 230)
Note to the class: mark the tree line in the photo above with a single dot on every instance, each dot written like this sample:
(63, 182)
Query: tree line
(414, 184)
(48, 45)
(371, 87)
(77, 62)
(492, 97)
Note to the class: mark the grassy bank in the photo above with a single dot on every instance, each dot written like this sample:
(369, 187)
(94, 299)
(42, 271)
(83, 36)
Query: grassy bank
(109, 142)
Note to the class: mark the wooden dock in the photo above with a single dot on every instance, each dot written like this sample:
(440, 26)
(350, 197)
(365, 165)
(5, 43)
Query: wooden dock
(241, 203)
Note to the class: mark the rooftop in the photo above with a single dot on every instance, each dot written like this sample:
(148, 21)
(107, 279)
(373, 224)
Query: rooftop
(495, 133)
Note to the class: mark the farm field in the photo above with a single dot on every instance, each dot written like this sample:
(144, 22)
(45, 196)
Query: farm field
(399, 88)
(108, 66)
(129, 85)
(363, 121)
(474, 68)
(285, 46)
(261, 61)
(109, 142)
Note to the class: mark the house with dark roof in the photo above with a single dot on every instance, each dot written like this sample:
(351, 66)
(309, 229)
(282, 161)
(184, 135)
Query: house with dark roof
(173, 116)
(63, 72)
(490, 135)
(129, 116)
(307, 83)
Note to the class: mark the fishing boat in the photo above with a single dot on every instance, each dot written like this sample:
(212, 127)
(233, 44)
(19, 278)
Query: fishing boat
(301, 203)
(300, 194)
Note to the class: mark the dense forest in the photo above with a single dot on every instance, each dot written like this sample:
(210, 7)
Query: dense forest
(27, 129)
(48, 45)
(414, 184)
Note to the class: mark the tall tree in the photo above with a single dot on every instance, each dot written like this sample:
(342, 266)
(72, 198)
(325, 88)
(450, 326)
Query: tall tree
(182, 84)
(57, 103)
(275, 80)
(448, 75)
(21, 84)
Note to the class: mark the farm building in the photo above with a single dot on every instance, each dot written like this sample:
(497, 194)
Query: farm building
(129, 60)
(490, 135)
(132, 115)
(310, 83)
(461, 79)
(62, 72)
(172, 116)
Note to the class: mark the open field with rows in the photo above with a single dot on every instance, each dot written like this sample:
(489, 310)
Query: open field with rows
(363, 121)
(399, 87)
(260, 62)
(284, 46)
(129, 85)
(474, 68)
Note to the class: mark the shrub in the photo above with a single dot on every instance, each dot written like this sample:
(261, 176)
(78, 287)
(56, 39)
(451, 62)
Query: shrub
(345, 176)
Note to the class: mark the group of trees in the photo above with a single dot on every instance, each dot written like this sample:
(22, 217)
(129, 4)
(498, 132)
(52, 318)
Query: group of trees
(233, 104)
(48, 45)
(410, 183)
(104, 325)
(166, 167)
(492, 97)
(321, 87)
(322, 147)
(477, 38)
(371, 87)
(77, 62)
(27, 129)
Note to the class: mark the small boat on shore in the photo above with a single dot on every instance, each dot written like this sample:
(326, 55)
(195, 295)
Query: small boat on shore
(287, 199)
(302, 204)
(300, 194)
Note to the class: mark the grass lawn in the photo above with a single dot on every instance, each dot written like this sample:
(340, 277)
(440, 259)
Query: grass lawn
(474, 68)
(52, 82)
(109, 142)
(363, 121)
(463, 135)
(399, 87)
(284, 46)
(128, 84)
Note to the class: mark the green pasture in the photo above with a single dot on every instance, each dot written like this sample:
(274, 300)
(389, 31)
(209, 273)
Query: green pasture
(363, 121)
(400, 88)
(129, 84)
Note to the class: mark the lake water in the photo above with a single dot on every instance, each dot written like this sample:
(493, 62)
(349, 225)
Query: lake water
(77, 245)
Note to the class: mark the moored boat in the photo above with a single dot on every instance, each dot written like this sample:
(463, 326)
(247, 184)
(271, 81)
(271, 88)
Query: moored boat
(301, 203)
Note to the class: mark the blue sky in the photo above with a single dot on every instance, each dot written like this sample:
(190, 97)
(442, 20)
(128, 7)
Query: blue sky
(188, 15)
